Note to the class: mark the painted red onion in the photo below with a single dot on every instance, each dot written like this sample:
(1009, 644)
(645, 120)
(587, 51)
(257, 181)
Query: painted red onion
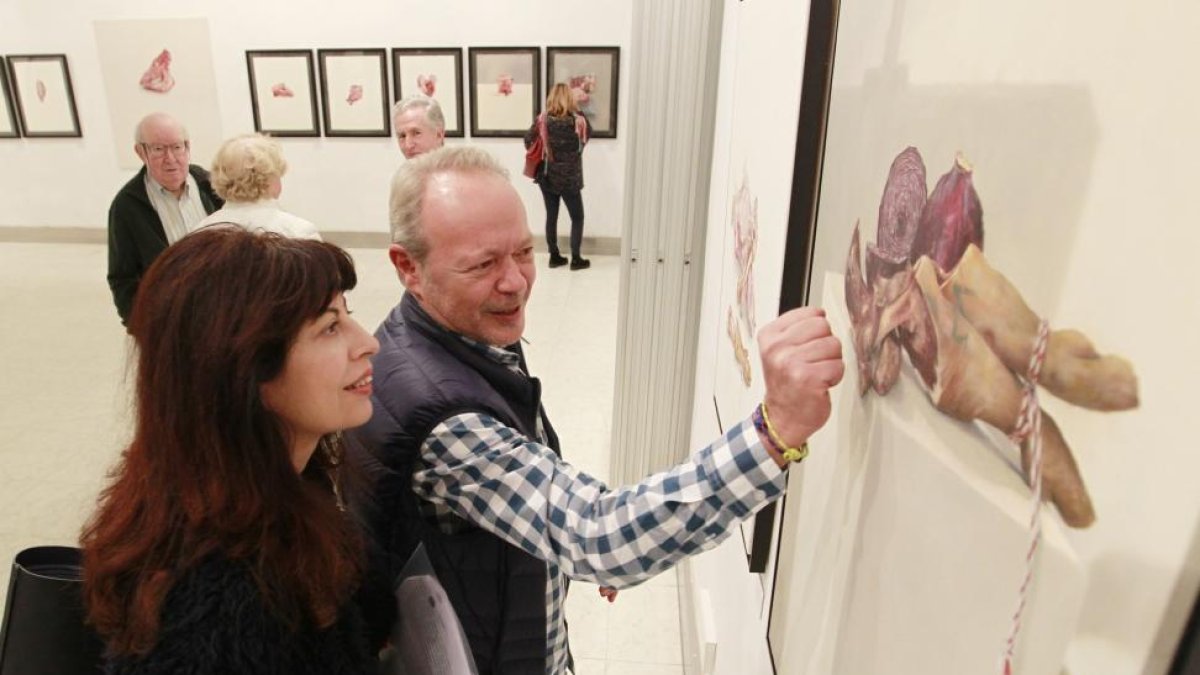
(952, 219)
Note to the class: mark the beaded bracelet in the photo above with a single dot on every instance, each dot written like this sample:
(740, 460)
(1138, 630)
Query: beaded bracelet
(762, 422)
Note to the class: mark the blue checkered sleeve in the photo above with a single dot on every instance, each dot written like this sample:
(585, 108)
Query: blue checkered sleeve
(520, 490)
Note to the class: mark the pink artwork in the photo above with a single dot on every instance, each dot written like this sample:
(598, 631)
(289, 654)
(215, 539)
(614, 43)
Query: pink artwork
(355, 95)
(505, 84)
(427, 84)
(40, 87)
(745, 246)
(280, 90)
(929, 293)
(582, 86)
(157, 77)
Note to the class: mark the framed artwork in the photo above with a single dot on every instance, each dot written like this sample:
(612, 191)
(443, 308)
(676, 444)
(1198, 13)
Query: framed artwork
(354, 92)
(8, 118)
(436, 73)
(505, 92)
(283, 92)
(43, 97)
(593, 74)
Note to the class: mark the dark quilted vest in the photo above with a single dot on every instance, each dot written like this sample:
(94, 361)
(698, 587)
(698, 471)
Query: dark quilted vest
(424, 375)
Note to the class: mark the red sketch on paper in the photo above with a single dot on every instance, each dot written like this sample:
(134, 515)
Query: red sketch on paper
(427, 84)
(280, 90)
(582, 86)
(741, 355)
(355, 95)
(40, 87)
(505, 84)
(158, 77)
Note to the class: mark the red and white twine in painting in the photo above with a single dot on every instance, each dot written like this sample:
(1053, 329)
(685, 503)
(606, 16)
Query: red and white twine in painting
(1029, 426)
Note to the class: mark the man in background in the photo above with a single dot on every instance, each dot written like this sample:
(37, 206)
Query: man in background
(156, 208)
(420, 125)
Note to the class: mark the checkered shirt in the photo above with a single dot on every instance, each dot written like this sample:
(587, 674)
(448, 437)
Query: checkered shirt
(479, 469)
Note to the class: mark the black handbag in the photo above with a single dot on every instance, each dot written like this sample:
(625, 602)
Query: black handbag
(43, 629)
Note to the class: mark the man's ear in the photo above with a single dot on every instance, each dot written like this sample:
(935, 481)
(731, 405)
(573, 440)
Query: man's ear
(407, 268)
(141, 152)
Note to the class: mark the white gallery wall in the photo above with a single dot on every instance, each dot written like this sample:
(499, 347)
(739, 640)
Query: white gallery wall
(340, 184)
(1084, 142)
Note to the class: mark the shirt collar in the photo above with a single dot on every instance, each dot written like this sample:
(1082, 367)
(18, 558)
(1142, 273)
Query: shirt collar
(498, 354)
(187, 185)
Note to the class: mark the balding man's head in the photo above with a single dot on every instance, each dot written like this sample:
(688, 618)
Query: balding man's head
(161, 142)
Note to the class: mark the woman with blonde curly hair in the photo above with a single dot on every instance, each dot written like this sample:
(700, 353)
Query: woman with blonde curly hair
(247, 173)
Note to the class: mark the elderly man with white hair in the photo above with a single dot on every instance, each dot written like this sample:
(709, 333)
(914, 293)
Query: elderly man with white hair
(157, 207)
(420, 125)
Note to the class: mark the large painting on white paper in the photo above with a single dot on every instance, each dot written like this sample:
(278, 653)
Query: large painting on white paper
(157, 65)
(908, 503)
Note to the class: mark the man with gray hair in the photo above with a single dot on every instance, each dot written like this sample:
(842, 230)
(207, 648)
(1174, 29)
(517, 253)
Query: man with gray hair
(460, 455)
(419, 124)
(157, 207)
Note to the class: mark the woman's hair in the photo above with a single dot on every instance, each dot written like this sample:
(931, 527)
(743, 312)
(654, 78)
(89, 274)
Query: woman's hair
(561, 101)
(245, 166)
(209, 471)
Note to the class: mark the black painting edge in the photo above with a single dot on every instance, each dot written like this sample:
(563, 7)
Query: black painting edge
(820, 49)
(379, 52)
(614, 104)
(6, 92)
(315, 132)
(536, 53)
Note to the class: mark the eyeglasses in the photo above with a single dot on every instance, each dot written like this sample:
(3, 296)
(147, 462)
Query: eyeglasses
(158, 150)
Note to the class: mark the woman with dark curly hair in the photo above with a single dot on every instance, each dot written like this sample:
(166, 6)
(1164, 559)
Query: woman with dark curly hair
(221, 544)
(564, 132)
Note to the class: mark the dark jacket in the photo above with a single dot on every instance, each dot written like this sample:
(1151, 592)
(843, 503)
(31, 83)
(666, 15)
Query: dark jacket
(214, 621)
(564, 172)
(424, 375)
(136, 235)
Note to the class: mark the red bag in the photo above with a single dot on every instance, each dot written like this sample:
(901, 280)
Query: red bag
(539, 150)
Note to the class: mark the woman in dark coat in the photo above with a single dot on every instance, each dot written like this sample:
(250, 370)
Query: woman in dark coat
(221, 545)
(565, 131)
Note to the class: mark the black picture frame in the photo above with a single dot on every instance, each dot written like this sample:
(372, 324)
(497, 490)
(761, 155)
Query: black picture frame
(573, 65)
(342, 68)
(57, 117)
(455, 128)
(815, 93)
(493, 114)
(264, 68)
(6, 99)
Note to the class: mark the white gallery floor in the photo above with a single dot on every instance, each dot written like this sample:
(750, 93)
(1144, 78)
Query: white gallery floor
(64, 415)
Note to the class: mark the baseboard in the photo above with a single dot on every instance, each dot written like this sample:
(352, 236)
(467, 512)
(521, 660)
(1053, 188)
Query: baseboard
(95, 235)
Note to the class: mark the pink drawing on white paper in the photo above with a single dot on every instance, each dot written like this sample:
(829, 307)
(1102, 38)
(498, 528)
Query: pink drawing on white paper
(505, 84)
(40, 87)
(281, 90)
(582, 86)
(427, 84)
(157, 77)
(355, 95)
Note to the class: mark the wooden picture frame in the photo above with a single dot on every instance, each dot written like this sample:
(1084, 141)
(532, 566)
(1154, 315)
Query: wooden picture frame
(594, 76)
(505, 90)
(354, 92)
(416, 72)
(283, 92)
(43, 96)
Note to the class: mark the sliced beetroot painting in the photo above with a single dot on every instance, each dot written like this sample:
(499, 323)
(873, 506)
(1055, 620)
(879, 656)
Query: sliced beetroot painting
(900, 207)
(952, 218)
